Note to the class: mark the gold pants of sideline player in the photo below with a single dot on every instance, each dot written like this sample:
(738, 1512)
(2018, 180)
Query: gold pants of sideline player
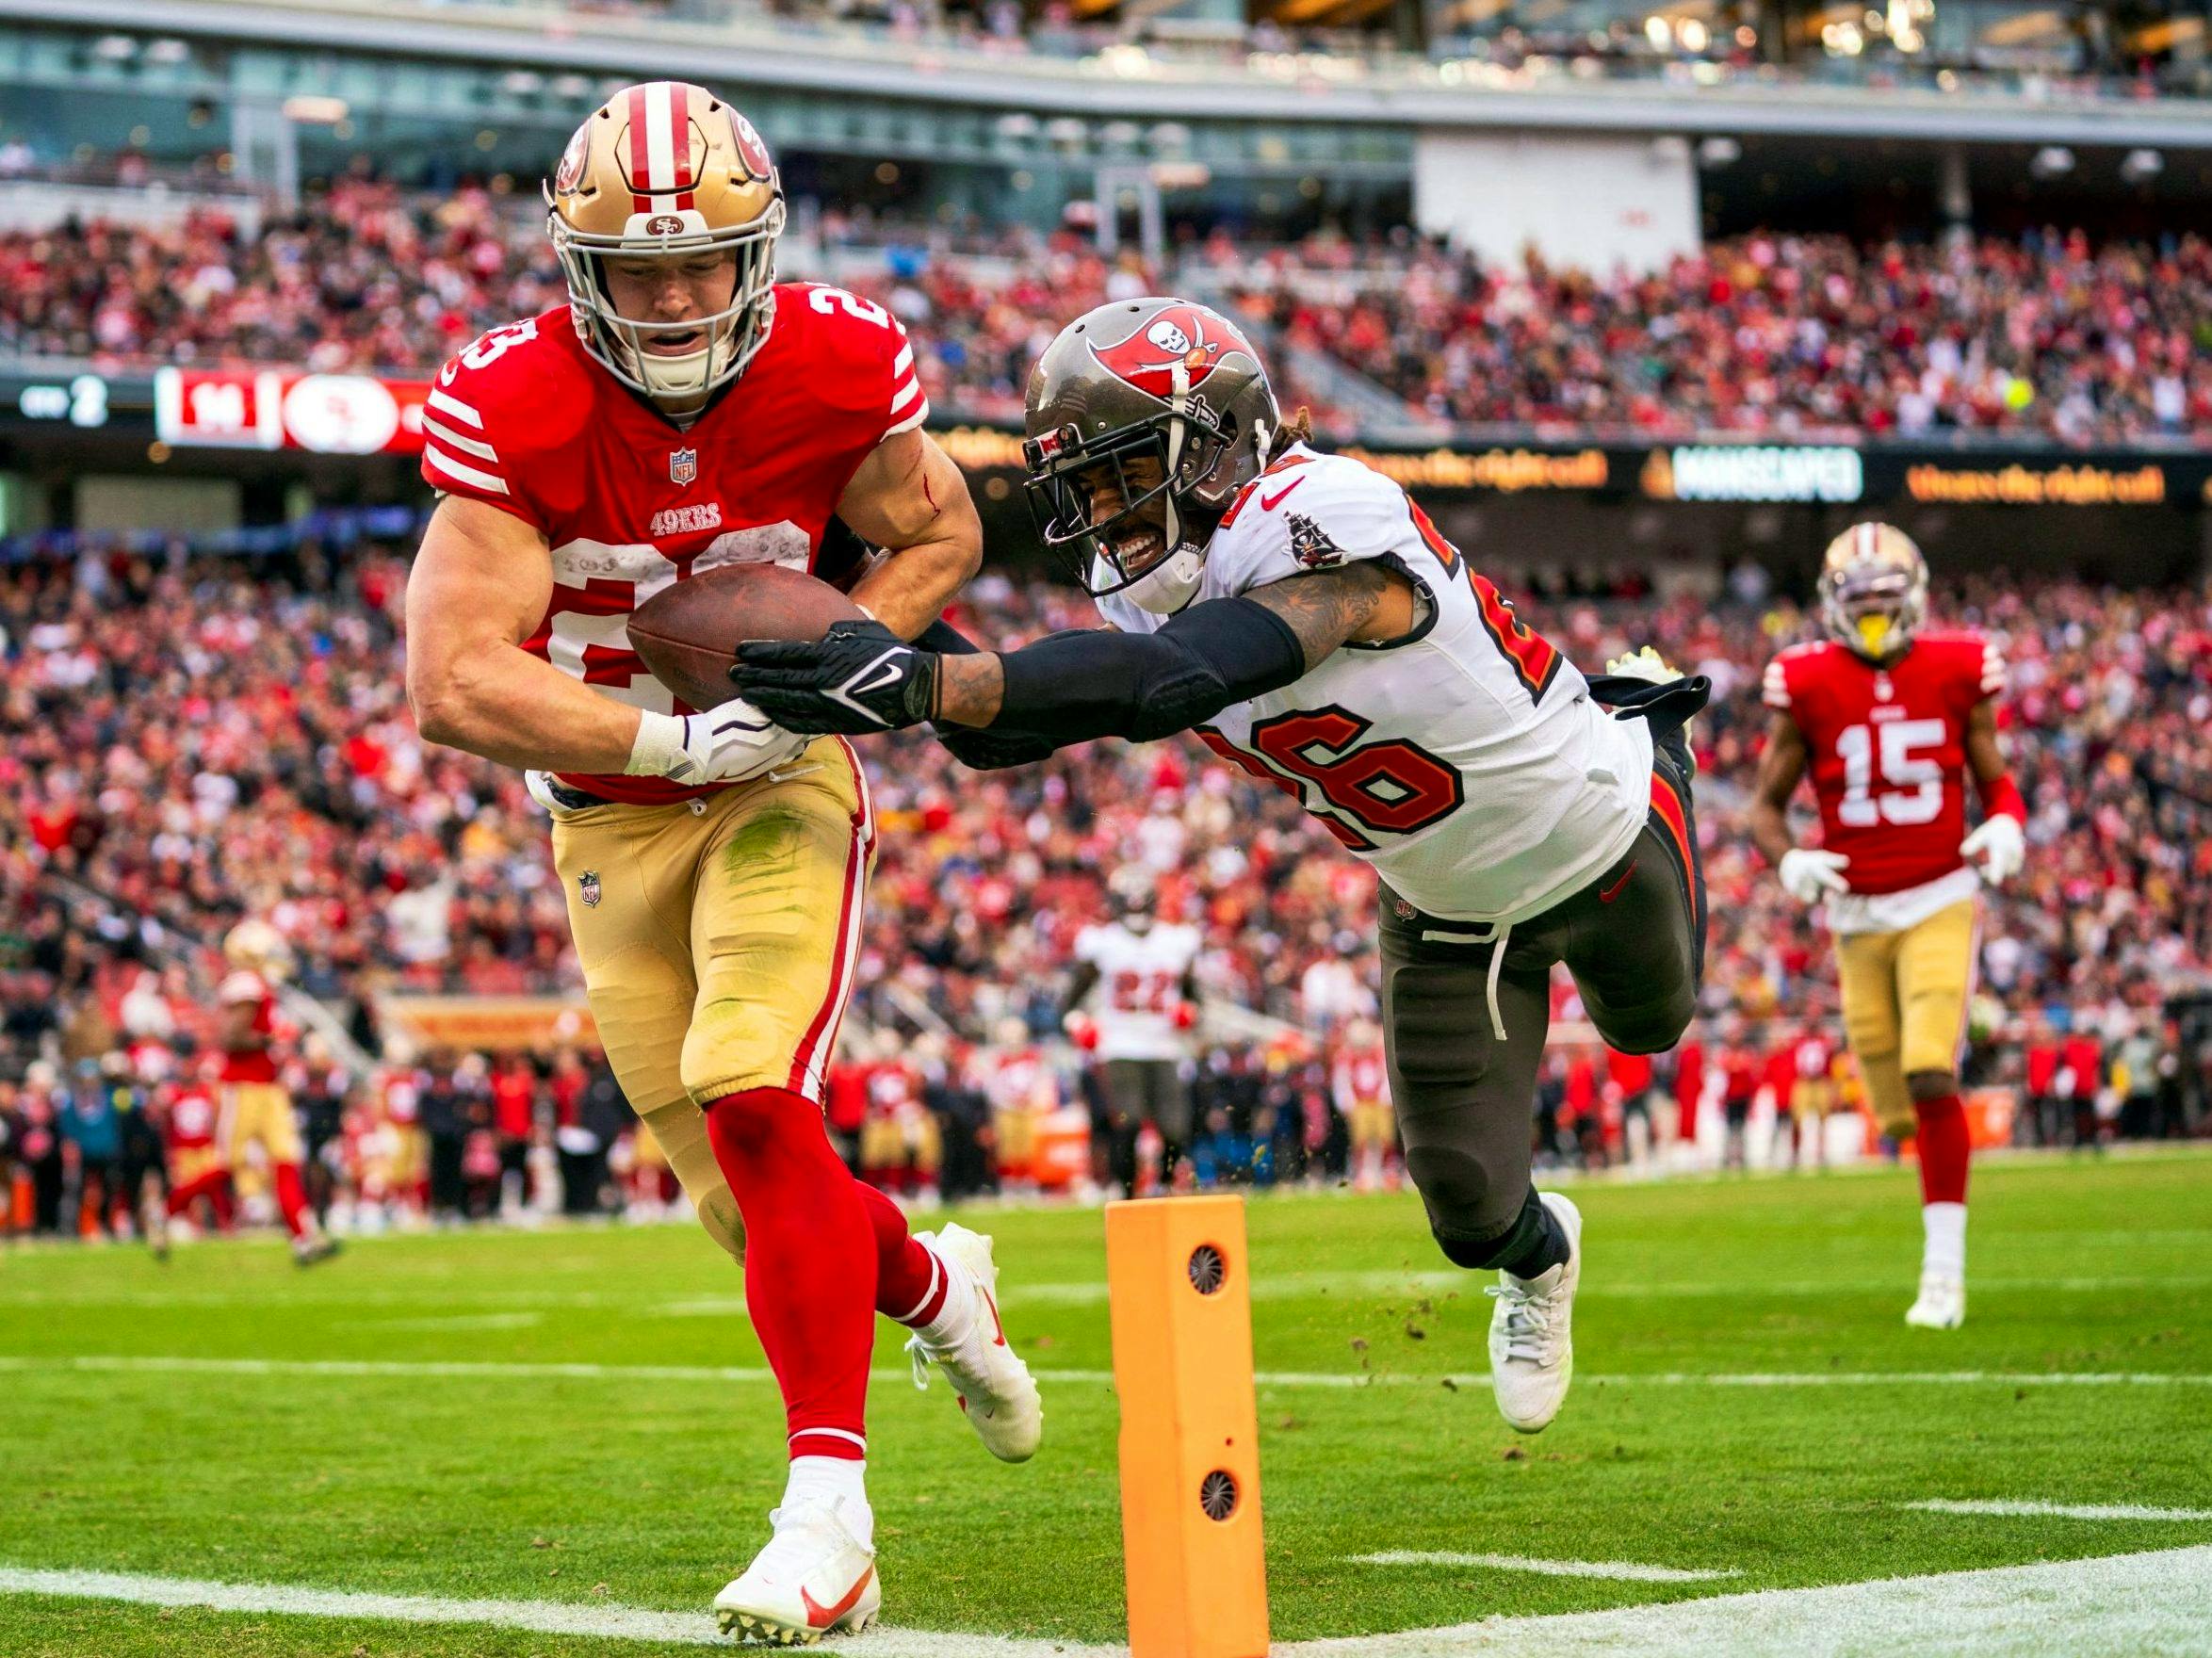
(261, 1112)
(1905, 1005)
(718, 946)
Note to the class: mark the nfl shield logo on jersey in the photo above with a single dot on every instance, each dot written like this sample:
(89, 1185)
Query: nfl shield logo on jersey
(587, 888)
(683, 465)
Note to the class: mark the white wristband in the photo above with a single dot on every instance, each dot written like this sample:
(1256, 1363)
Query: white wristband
(659, 742)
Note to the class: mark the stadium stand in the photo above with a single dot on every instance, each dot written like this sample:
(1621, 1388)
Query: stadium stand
(189, 739)
(2051, 336)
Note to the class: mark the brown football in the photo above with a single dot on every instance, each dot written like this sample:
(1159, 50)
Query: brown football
(688, 633)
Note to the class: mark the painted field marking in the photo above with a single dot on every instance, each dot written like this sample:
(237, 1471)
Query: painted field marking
(2115, 1607)
(456, 1321)
(1625, 1570)
(2011, 1507)
(562, 1371)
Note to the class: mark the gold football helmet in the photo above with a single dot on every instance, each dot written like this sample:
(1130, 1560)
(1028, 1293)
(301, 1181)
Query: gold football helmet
(667, 170)
(255, 947)
(1873, 590)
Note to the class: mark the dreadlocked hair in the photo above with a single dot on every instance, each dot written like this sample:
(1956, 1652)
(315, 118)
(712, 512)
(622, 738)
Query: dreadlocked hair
(1298, 429)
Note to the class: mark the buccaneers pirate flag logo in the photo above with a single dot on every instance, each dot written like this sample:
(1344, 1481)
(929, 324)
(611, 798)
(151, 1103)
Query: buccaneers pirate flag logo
(1190, 336)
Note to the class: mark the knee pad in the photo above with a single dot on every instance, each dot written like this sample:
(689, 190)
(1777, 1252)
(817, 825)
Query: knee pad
(1467, 1214)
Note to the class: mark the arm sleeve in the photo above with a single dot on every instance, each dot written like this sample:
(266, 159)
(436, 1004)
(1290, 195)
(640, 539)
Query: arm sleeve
(1077, 686)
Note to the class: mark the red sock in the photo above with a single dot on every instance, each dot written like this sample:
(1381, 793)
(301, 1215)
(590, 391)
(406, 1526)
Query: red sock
(1943, 1149)
(909, 1281)
(291, 1197)
(810, 1262)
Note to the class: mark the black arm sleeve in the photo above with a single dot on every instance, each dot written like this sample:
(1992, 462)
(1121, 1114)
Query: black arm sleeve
(947, 641)
(1077, 686)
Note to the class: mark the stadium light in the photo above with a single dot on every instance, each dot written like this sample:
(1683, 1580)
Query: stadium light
(314, 109)
(2141, 166)
(1719, 151)
(2051, 161)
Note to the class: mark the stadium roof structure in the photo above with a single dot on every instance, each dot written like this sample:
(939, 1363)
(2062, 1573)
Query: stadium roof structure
(1135, 83)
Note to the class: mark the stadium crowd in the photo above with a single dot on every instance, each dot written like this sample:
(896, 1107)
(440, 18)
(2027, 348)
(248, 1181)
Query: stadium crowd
(189, 741)
(1796, 336)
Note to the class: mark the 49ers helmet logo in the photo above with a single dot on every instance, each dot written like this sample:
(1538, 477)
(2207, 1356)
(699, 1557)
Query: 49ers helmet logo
(752, 149)
(1190, 335)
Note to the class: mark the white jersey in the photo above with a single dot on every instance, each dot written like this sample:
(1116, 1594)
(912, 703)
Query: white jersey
(1467, 762)
(1140, 985)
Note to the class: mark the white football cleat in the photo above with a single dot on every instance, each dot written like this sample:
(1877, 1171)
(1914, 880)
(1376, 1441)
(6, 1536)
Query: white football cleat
(1532, 1331)
(815, 1578)
(967, 1343)
(1941, 1305)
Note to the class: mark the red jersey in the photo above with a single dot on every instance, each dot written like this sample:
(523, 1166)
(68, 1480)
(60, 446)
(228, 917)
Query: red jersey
(1362, 1077)
(1887, 750)
(252, 1063)
(527, 420)
(191, 1120)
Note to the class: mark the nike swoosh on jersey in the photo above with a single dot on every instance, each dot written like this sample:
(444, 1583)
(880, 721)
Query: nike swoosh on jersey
(1269, 503)
(821, 1616)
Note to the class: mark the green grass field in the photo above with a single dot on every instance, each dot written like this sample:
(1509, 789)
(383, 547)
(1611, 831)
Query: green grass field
(1748, 1402)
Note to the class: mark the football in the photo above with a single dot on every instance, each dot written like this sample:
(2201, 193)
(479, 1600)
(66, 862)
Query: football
(688, 633)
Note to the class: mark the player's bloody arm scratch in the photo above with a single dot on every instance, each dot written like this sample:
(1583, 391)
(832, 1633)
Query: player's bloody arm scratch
(909, 498)
(1780, 768)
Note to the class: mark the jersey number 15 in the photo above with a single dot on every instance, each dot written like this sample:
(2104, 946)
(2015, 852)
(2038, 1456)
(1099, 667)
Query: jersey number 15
(1918, 794)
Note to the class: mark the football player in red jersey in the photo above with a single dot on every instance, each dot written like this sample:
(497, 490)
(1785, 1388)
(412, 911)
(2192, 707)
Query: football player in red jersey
(682, 412)
(256, 1106)
(1889, 718)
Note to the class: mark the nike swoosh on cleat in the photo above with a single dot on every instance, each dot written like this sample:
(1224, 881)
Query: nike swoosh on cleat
(1608, 894)
(821, 1616)
(1269, 503)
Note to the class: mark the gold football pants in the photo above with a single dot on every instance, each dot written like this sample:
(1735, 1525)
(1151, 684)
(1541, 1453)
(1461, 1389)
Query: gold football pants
(1905, 1005)
(262, 1111)
(718, 939)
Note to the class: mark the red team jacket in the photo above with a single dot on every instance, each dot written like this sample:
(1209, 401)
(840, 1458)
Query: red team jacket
(1887, 750)
(528, 421)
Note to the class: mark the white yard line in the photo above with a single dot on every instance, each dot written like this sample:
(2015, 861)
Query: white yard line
(1625, 1570)
(2114, 1608)
(2121, 1606)
(458, 1321)
(556, 1371)
(2007, 1507)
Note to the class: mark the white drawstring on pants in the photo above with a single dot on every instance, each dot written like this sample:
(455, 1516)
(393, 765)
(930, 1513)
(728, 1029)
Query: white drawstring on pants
(1500, 932)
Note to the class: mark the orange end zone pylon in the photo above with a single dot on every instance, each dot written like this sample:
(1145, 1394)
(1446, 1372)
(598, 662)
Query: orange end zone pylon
(1179, 1279)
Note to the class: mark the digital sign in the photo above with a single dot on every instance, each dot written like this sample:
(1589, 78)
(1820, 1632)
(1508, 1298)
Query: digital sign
(267, 409)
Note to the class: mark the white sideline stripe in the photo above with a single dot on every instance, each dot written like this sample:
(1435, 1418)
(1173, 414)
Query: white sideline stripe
(1626, 1570)
(2117, 1606)
(446, 403)
(467, 474)
(553, 1618)
(559, 1371)
(2056, 1510)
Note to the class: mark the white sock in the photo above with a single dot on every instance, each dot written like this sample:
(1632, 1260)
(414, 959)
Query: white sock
(1945, 1255)
(958, 1312)
(842, 1480)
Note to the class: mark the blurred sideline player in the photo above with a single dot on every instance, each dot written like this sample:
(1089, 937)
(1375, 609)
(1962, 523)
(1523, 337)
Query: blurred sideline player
(256, 1109)
(1303, 615)
(1134, 998)
(1889, 718)
(1360, 1081)
(197, 1172)
(684, 411)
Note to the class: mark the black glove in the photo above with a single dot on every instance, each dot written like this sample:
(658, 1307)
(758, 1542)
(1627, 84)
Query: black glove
(983, 749)
(860, 677)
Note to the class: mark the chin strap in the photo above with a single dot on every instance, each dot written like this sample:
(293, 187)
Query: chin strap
(1179, 403)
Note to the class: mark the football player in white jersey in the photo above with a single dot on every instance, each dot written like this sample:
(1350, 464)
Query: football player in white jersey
(1301, 614)
(1136, 982)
